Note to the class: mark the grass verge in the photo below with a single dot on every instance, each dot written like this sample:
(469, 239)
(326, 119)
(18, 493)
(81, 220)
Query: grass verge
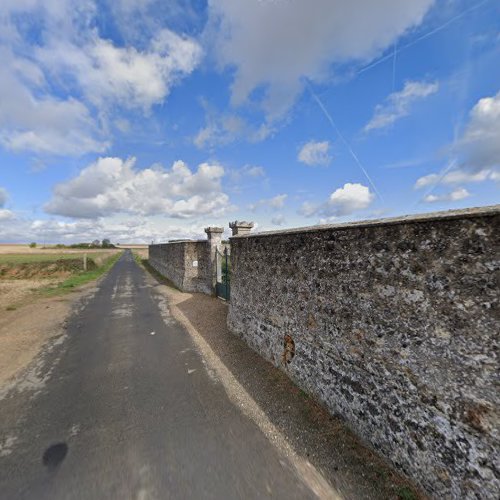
(138, 258)
(81, 278)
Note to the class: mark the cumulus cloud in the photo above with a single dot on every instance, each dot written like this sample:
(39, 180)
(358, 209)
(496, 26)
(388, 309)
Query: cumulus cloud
(398, 104)
(108, 74)
(346, 200)
(456, 195)
(35, 121)
(278, 43)
(91, 78)
(111, 185)
(476, 152)
(315, 153)
(480, 143)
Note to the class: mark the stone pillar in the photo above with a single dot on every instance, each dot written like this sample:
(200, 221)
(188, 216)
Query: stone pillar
(240, 227)
(214, 235)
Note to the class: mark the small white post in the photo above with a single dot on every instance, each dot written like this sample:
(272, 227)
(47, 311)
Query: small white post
(84, 261)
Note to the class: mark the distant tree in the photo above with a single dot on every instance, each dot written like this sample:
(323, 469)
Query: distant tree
(33, 245)
(107, 243)
(96, 243)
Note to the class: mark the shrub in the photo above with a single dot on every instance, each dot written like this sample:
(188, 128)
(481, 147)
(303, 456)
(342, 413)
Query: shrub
(33, 245)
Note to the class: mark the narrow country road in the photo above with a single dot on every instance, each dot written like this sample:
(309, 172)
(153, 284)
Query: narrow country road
(123, 407)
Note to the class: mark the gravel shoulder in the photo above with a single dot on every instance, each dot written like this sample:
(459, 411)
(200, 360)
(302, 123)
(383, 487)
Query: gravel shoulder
(320, 439)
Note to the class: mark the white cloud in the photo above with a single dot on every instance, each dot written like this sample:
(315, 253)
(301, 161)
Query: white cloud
(278, 220)
(455, 177)
(248, 171)
(349, 199)
(456, 195)
(278, 201)
(254, 171)
(275, 203)
(91, 78)
(6, 214)
(480, 143)
(223, 128)
(117, 228)
(3, 197)
(315, 153)
(31, 119)
(477, 151)
(346, 200)
(219, 129)
(111, 185)
(398, 104)
(108, 74)
(277, 43)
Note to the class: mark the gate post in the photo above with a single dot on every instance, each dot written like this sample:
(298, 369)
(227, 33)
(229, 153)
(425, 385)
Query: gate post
(240, 227)
(214, 235)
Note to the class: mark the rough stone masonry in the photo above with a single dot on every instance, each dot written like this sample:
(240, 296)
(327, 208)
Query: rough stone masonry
(189, 264)
(394, 325)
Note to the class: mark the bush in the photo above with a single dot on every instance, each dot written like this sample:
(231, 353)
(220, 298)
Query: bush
(33, 245)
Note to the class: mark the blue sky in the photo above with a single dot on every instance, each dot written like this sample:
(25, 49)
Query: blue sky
(143, 120)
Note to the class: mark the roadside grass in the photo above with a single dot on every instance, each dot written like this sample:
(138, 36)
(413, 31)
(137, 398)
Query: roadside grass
(81, 278)
(406, 493)
(138, 258)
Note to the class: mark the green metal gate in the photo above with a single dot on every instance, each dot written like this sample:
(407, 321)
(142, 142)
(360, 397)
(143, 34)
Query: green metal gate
(223, 285)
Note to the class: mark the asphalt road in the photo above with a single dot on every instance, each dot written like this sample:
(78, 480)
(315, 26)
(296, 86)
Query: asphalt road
(122, 406)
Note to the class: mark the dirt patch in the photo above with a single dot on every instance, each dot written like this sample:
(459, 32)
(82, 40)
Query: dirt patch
(24, 331)
(14, 292)
(324, 440)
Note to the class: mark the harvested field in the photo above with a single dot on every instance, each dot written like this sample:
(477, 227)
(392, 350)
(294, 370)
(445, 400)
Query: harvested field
(6, 249)
(60, 268)
(24, 274)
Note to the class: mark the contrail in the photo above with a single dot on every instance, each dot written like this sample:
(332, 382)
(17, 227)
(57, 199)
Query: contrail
(395, 55)
(343, 139)
(424, 36)
(451, 165)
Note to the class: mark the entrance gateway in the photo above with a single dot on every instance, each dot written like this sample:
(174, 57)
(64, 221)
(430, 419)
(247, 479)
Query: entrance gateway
(223, 284)
(223, 258)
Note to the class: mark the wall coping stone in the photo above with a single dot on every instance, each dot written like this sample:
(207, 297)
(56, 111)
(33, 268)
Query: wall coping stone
(467, 213)
(173, 242)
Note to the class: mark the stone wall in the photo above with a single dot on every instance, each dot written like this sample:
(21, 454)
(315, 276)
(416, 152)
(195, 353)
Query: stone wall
(185, 263)
(392, 324)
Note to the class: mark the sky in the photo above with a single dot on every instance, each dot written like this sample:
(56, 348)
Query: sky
(149, 120)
